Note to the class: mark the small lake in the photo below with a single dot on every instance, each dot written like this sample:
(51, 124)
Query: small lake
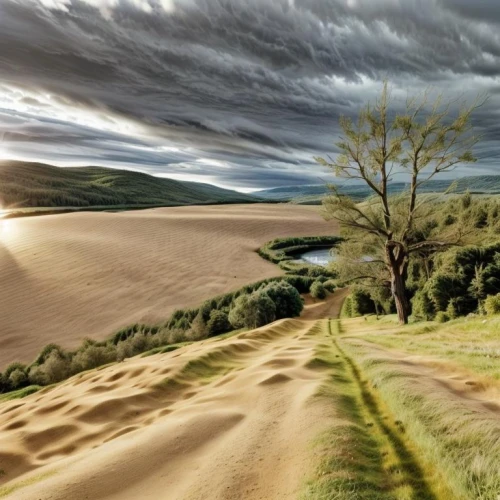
(320, 257)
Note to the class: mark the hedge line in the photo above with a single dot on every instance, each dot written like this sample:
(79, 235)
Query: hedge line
(54, 363)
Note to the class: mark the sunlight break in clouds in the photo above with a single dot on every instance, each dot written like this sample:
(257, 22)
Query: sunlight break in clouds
(107, 6)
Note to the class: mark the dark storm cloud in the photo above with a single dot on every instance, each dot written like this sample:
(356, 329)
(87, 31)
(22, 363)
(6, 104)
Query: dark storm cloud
(235, 92)
(483, 10)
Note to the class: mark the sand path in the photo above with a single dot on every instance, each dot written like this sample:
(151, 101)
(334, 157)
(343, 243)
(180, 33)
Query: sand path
(219, 419)
(67, 277)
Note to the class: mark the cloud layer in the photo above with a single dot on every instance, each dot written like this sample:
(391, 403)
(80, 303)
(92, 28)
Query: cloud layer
(239, 93)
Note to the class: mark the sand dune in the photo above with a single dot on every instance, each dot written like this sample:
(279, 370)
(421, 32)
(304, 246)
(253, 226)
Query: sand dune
(66, 277)
(220, 419)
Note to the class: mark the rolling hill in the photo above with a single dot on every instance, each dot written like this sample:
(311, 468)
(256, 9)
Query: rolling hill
(25, 184)
(481, 184)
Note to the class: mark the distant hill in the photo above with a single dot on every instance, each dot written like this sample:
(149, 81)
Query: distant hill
(482, 184)
(24, 184)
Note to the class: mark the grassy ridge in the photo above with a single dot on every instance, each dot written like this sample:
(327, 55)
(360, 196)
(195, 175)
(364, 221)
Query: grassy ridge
(447, 416)
(365, 455)
(24, 184)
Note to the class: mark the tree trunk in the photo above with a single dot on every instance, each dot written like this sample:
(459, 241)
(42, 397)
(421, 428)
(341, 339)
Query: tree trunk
(398, 289)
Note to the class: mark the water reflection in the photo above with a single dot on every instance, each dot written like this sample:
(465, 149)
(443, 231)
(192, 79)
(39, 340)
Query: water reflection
(323, 256)
(320, 257)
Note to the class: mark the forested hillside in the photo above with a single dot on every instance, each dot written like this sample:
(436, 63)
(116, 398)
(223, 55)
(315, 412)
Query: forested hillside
(24, 184)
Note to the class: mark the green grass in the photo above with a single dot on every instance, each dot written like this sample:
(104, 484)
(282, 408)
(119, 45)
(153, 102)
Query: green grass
(165, 349)
(213, 364)
(365, 454)
(203, 369)
(19, 394)
(455, 436)
(224, 336)
(470, 343)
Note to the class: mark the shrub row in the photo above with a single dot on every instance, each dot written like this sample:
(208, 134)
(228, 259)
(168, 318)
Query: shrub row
(251, 306)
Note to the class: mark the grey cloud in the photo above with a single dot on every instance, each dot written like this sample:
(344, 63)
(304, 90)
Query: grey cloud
(483, 10)
(258, 84)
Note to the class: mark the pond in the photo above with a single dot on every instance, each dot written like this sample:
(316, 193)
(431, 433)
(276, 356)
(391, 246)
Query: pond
(320, 257)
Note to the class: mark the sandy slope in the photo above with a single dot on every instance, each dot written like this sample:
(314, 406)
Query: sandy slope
(220, 419)
(66, 277)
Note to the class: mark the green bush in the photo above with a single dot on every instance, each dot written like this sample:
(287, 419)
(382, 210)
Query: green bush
(252, 311)
(357, 304)
(318, 272)
(347, 311)
(15, 376)
(440, 290)
(91, 355)
(287, 300)
(128, 332)
(4, 383)
(54, 368)
(218, 323)
(199, 328)
(465, 276)
(301, 283)
(47, 351)
(318, 290)
(18, 379)
(492, 304)
(166, 337)
(442, 317)
(422, 306)
(452, 309)
(362, 303)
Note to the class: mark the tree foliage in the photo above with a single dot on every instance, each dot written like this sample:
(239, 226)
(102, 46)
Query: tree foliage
(286, 298)
(463, 278)
(427, 139)
(318, 290)
(492, 304)
(218, 323)
(252, 311)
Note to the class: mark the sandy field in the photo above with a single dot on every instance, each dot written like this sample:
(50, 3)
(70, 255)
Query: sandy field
(67, 277)
(238, 417)
(219, 419)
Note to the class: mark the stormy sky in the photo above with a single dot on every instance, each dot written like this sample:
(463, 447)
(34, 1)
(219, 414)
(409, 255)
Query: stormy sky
(240, 93)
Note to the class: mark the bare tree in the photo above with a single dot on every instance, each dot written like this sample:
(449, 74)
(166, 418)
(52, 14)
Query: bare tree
(427, 139)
